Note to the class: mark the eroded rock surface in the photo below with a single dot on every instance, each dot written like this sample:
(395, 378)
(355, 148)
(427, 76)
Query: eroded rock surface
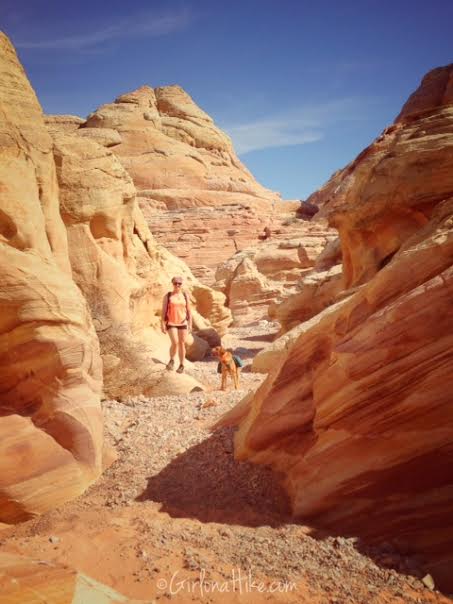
(174, 152)
(357, 411)
(123, 272)
(259, 278)
(26, 580)
(50, 368)
(391, 189)
(197, 197)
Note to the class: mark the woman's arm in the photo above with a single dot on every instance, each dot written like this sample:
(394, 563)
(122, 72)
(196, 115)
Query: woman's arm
(189, 314)
(163, 312)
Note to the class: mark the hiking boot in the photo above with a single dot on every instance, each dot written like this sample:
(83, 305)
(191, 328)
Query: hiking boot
(180, 369)
(170, 365)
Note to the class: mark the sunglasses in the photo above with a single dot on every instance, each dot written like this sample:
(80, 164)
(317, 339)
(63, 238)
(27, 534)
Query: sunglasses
(177, 282)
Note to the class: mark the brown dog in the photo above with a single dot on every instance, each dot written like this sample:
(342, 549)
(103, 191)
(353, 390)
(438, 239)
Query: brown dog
(228, 366)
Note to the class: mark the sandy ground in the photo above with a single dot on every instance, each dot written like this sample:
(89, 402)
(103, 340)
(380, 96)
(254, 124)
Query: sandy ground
(176, 518)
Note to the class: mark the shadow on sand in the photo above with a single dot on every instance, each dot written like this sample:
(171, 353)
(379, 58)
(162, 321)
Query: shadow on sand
(207, 483)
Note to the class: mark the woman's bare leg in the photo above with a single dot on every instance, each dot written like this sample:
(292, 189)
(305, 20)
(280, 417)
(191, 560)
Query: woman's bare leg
(182, 333)
(174, 342)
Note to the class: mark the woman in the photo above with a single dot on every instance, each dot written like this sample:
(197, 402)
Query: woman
(176, 321)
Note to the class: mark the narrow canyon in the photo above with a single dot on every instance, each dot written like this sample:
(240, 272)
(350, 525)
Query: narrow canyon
(326, 477)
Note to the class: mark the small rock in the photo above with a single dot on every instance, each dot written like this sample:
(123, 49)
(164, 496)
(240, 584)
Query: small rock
(53, 539)
(428, 582)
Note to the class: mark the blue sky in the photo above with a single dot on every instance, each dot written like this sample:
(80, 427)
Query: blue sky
(301, 86)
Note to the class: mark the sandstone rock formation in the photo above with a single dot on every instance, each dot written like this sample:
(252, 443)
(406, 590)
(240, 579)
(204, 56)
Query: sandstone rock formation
(316, 291)
(436, 92)
(307, 210)
(63, 123)
(50, 369)
(174, 152)
(123, 272)
(257, 279)
(34, 581)
(357, 412)
(205, 237)
(385, 195)
(271, 356)
(104, 136)
(199, 200)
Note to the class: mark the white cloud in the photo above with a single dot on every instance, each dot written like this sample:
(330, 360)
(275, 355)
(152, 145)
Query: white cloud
(271, 133)
(294, 127)
(140, 25)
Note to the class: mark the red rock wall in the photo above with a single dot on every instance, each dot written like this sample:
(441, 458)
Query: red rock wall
(391, 189)
(357, 412)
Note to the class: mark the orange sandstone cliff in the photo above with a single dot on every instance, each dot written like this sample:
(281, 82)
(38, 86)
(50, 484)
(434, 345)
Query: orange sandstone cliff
(198, 199)
(50, 367)
(357, 410)
(124, 273)
(260, 277)
(82, 287)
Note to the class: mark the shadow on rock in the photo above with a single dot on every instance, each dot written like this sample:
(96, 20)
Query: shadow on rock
(247, 353)
(207, 483)
(392, 553)
(267, 337)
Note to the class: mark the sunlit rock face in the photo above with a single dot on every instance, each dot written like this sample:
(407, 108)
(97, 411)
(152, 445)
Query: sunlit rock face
(259, 278)
(123, 272)
(392, 188)
(207, 236)
(197, 197)
(29, 580)
(316, 291)
(174, 152)
(50, 369)
(356, 410)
